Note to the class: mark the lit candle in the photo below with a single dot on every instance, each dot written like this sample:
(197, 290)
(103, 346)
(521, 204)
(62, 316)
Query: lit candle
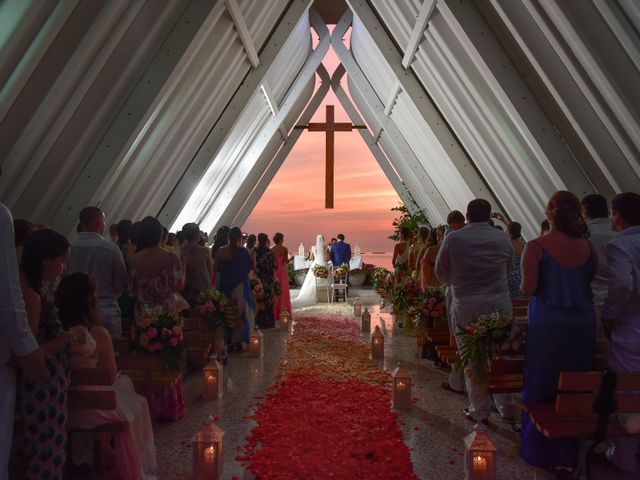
(376, 341)
(479, 463)
(255, 341)
(210, 454)
(400, 385)
(211, 379)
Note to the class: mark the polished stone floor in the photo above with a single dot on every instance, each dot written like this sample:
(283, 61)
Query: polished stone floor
(433, 428)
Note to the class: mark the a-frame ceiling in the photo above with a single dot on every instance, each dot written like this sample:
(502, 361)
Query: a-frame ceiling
(185, 109)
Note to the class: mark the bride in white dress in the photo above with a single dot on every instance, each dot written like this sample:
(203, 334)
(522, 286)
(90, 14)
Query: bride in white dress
(307, 295)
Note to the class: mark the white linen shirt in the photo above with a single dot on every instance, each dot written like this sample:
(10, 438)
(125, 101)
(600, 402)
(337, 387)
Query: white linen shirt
(15, 334)
(622, 304)
(474, 262)
(102, 259)
(600, 233)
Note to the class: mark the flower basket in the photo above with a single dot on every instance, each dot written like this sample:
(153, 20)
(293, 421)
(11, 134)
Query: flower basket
(340, 273)
(159, 333)
(212, 306)
(379, 277)
(321, 271)
(429, 306)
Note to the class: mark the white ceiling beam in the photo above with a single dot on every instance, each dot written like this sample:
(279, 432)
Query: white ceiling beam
(211, 146)
(426, 10)
(412, 87)
(418, 179)
(393, 95)
(243, 32)
(371, 141)
(267, 177)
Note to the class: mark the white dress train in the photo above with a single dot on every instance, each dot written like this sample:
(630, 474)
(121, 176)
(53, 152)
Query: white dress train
(307, 295)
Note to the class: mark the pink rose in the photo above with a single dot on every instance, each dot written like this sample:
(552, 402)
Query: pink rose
(202, 309)
(176, 331)
(166, 333)
(173, 341)
(152, 332)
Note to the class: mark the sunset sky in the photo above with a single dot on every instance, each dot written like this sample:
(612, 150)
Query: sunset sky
(294, 202)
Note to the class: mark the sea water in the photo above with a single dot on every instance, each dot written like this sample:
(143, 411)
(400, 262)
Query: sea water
(379, 259)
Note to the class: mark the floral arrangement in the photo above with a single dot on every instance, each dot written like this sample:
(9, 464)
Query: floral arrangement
(211, 304)
(321, 271)
(341, 272)
(379, 277)
(484, 337)
(405, 294)
(159, 331)
(428, 306)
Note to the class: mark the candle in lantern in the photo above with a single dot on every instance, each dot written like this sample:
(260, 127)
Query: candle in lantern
(213, 387)
(210, 454)
(479, 463)
(256, 344)
(377, 343)
(401, 394)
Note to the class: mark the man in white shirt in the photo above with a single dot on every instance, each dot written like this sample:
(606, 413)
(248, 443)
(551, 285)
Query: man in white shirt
(102, 259)
(474, 262)
(621, 311)
(595, 212)
(15, 337)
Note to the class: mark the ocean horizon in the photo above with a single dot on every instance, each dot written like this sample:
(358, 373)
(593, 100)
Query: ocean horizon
(379, 259)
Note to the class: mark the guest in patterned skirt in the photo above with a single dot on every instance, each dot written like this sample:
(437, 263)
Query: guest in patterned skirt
(43, 406)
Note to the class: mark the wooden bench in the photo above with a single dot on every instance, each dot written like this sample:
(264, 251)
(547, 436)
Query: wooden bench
(572, 415)
(505, 374)
(82, 400)
(146, 371)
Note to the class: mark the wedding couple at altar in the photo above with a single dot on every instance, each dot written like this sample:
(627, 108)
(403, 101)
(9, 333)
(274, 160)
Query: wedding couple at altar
(339, 253)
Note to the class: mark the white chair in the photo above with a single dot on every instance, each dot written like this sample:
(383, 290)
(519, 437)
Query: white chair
(324, 284)
(340, 286)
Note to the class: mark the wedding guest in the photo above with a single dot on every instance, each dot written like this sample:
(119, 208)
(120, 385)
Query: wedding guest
(428, 262)
(221, 239)
(163, 242)
(474, 262)
(113, 232)
(514, 277)
(180, 242)
(43, 405)
(198, 264)
(252, 240)
(134, 233)
(232, 264)
(22, 229)
(595, 212)
(401, 251)
(455, 382)
(102, 259)
(545, 227)
(557, 270)
(15, 338)
(282, 302)
(155, 280)
(621, 311)
(266, 266)
(418, 249)
(126, 301)
(332, 242)
(135, 449)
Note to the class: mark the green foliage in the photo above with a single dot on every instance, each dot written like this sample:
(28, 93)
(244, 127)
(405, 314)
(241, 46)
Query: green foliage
(412, 221)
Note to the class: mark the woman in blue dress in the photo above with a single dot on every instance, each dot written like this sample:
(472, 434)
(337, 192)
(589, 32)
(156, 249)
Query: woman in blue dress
(557, 270)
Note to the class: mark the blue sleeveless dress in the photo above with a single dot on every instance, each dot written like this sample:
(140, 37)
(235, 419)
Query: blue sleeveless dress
(560, 338)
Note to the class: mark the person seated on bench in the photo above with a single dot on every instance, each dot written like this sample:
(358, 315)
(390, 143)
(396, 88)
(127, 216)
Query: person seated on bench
(621, 311)
(135, 449)
(557, 270)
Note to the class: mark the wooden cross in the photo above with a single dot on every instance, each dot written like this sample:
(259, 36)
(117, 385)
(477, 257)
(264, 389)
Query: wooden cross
(330, 126)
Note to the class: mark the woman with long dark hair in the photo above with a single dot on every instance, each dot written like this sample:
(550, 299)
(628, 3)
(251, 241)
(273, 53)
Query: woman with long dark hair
(266, 266)
(135, 449)
(557, 270)
(232, 264)
(43, 405)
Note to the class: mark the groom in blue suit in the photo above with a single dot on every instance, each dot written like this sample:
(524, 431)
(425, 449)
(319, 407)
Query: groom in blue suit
(340, 252)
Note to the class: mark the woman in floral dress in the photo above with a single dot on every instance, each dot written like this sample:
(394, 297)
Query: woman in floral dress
(155, 279)
(266, 266)
(43, 406)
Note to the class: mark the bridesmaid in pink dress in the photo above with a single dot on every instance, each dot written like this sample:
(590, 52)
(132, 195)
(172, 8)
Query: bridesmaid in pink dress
(283, 302)
(155, 278)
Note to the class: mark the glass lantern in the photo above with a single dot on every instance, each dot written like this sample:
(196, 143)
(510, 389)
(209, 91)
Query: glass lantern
(285, 321)
(212, 380)
(377, 343)
(357, 307)
(256, 344)
(401, 394)
(206, 446)
(479, 455)
(365, 321)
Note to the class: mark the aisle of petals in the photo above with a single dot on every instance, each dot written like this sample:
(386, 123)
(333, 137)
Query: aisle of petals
(328, 416)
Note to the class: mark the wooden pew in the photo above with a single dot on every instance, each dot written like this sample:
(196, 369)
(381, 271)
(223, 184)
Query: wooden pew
(80, 399)
(146, 371)
(572, 416)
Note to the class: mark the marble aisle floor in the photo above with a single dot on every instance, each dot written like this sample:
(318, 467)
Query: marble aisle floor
(433, 428)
